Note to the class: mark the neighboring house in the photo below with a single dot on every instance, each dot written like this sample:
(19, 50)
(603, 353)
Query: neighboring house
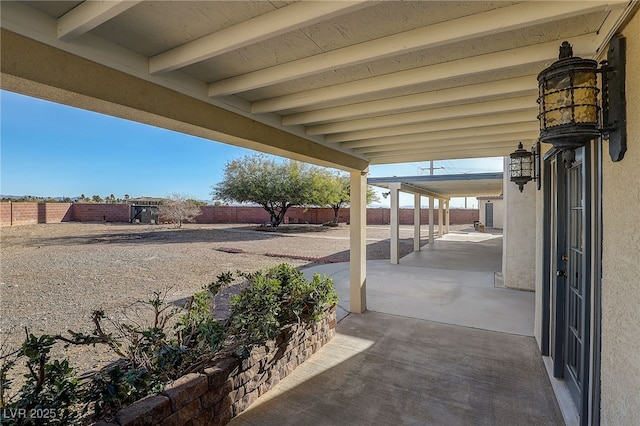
(350, 84)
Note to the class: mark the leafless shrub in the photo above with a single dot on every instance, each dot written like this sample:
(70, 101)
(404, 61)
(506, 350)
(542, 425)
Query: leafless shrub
(178, 209)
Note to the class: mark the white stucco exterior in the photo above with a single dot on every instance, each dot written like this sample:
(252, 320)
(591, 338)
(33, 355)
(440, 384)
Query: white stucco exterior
(620, 400)
(498, 211)
(519, 230)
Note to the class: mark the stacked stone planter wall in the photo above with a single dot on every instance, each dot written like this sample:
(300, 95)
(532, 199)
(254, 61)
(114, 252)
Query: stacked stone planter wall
(225, 390)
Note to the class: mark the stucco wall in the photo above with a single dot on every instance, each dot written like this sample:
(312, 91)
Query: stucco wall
(498, 212)
(620, 401)
(537, 327)
(519, 231)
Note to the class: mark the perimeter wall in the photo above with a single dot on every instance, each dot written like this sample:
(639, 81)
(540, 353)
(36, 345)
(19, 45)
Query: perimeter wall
(13, 214)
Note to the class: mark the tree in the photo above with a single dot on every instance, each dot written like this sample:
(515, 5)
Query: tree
(178, 209)
(333, 190)
(197, 202)
(274, 185)
(96, 199)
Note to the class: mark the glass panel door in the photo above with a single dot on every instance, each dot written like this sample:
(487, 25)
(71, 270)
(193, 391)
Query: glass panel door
(575, 309)
(553, 256)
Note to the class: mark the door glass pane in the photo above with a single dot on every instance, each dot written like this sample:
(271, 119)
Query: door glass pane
(575, 290)
(554, 253)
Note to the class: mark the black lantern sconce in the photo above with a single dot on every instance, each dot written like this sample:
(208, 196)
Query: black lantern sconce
(524, 165)
(568, 101)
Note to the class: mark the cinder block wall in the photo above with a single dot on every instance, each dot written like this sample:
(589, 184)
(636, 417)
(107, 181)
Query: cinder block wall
(380, 216)
(33, 213)
(101, 212)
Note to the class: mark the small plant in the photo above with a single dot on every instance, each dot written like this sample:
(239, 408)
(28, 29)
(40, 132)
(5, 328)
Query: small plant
(51, 391)
(278, 296)
(152, 353)
(116, 387)
(198, 328)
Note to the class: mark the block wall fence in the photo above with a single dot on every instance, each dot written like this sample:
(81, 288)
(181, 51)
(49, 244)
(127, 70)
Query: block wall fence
(13, 214)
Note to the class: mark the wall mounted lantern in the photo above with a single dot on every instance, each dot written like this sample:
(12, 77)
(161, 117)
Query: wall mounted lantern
(386, 194)
(525, 165)
(568, 101)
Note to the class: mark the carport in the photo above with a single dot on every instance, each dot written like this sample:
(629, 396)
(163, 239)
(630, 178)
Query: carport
(441, 187)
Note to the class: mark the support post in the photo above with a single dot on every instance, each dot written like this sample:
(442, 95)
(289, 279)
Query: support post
(357, 242)
(395, 223)
(416, 222)
(431, 233)
(440, 218)
(446, 230)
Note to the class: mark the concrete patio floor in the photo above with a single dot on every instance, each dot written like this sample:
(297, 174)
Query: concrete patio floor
(439, 345)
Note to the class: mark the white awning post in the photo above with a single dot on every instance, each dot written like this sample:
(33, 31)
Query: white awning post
(394, 188)
(416, 221)
(431, 233)
(447, 216)
(440, 217)
(357, 241)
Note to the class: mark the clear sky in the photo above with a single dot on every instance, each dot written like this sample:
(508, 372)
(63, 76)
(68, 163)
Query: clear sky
(49, 149)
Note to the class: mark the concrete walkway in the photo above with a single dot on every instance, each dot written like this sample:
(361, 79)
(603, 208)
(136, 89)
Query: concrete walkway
(437, 347)
(450, 282)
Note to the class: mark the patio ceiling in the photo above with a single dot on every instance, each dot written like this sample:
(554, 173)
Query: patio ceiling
(348, 83)
(445, 186)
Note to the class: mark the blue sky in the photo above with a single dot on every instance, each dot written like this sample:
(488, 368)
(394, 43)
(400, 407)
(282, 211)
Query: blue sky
(49, 149)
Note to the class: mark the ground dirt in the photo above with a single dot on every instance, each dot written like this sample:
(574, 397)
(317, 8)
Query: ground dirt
(53, 276)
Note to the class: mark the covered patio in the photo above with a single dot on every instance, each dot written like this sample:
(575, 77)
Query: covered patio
(440, 187)
(438, 345)
(353, 84)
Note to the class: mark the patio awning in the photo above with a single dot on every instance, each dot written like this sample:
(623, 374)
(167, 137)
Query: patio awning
(445, 186)
(341, 83)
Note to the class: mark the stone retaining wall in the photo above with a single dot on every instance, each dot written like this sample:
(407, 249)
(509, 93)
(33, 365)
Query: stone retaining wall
(225, 390)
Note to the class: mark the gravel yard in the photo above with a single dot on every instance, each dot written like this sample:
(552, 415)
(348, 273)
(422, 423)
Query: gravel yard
(53, 276)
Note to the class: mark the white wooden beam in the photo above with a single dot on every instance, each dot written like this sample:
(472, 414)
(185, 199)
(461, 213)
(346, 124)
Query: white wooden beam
(447, 217)
(88, 15)
(440, 217)
(280, 21)
(500, 146)
(500, 129)
(431, 233)
(538, 56)
(413, 189)
(527, 85)
(436, 126)
(416, 221)
(519, 103)
(357, 243)
(456, 30)
(487, 140)
(402, 157)
(394, 213)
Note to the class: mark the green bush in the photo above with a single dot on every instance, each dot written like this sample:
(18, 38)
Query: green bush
(50, 392)
(154, 354)
(278, 296)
